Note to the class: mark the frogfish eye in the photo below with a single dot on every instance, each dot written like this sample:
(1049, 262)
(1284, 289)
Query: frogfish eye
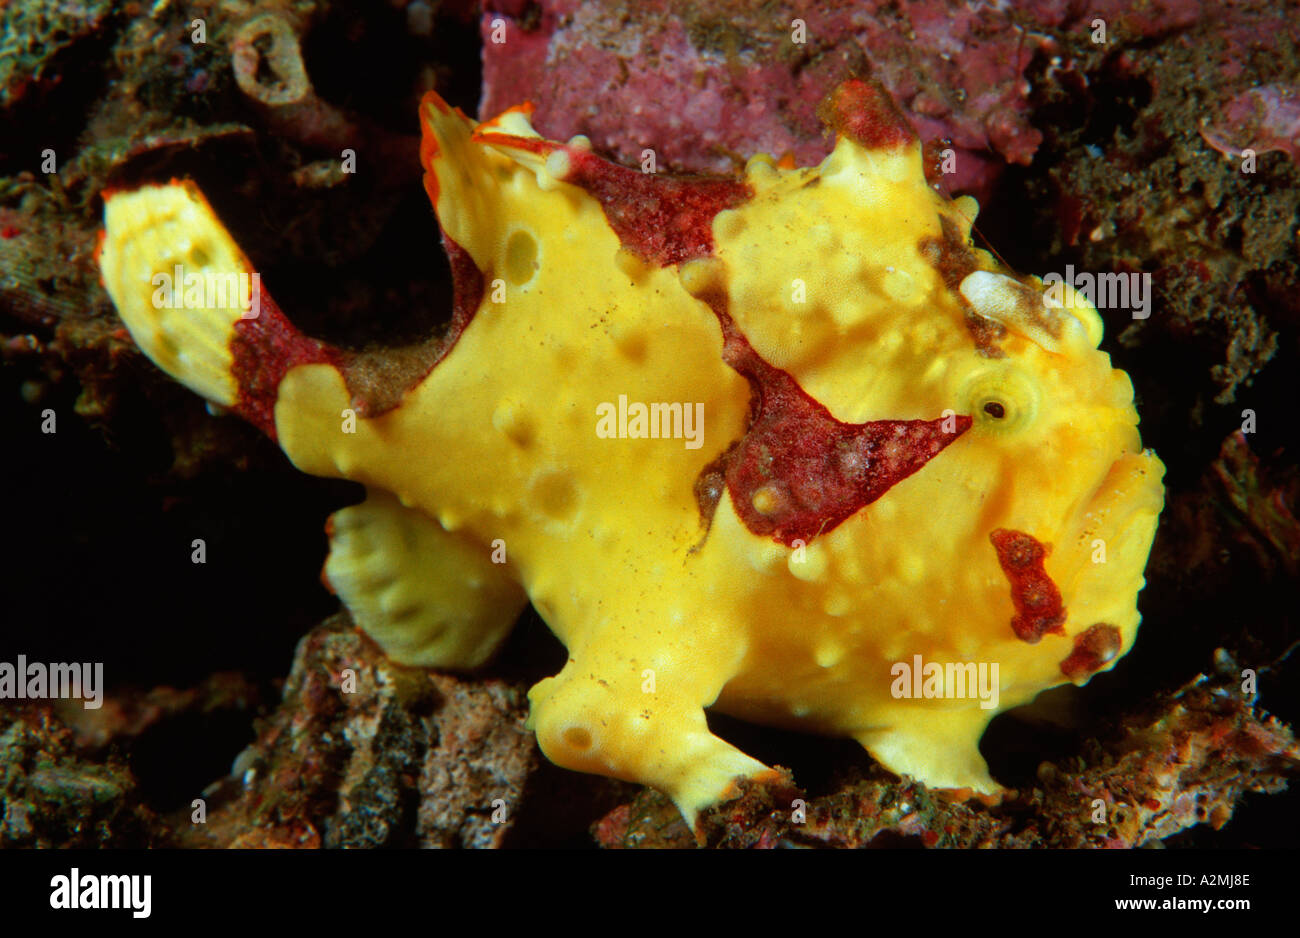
(1002, 399)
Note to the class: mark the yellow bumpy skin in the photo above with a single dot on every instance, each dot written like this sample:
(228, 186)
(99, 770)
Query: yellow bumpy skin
(785, 445)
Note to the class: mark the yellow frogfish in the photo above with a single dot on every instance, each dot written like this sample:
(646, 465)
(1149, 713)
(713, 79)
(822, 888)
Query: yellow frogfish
(786, 445)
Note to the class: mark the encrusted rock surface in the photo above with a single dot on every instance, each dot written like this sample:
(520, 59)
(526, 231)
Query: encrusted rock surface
(1187, 760)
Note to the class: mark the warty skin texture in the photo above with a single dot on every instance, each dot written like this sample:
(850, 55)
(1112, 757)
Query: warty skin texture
(842, 336)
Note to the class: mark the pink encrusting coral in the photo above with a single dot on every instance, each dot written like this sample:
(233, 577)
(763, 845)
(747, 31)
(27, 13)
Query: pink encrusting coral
(1262, 119)
(701, 83)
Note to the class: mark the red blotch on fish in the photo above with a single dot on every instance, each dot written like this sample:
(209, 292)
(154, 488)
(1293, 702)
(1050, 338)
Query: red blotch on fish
(664, 219)
(265, 349)
(798, 472)
(1094, 648)
(1035, 596)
